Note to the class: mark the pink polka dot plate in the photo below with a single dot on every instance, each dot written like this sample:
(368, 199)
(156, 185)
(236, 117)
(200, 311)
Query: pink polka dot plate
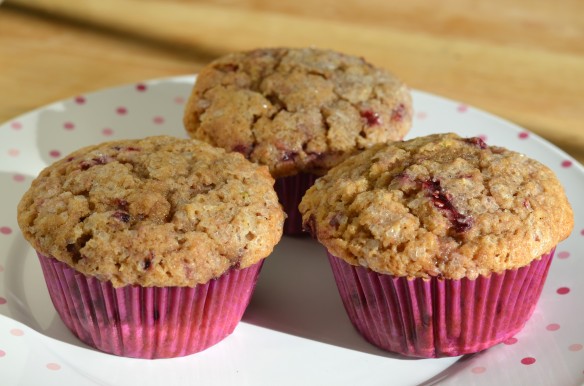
(292, 333)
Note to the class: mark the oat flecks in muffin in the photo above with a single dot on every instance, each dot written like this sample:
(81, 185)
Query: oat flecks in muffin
(296, 110)
(439, 205)
(160, 211)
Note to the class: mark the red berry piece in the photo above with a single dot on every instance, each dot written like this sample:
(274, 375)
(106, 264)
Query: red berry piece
(440, 199)
(371, 117)
(122, 216)
(477, 141)
(398, 114)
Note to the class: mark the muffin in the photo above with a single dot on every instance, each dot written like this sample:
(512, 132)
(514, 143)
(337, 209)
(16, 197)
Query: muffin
(439, 245)
(297, 111)
(151, 248)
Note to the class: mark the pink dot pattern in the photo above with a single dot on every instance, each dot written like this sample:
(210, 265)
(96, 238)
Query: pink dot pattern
(16, 125)
(16, 332)
(68, 125)
(478, 370)
(462, 108)
(523, 135)
(552, 327)
(141, 87)
(121, 110)
(2, 301)
(107, 131)
(53, 366)
(18, 177)
(421, 115)
(179, 100)
(5, 230)
(80, 100)
(563, 290)
(2, 353)
(528, 361)
(575, 347)
(563, 255)
(566, 163)
(158, 120)
(55, 153)
(510, 341)
(13, 152)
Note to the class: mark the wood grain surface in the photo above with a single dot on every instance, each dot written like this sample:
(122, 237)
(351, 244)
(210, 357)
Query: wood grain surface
(522, 60)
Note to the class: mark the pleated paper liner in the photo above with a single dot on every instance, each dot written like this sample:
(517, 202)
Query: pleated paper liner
(149, 322)
(290, 191)
(439, 317)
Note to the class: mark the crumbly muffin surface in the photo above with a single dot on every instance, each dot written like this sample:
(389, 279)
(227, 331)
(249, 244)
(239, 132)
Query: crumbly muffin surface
(160, 211)
(296, 110)
(439, 205)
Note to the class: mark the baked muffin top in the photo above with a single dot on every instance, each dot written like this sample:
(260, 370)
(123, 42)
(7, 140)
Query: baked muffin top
(159, 211)
(439, 205)
(296, 109)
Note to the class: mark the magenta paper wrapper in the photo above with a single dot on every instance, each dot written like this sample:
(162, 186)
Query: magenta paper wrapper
(149, 322)
(290, 191)
(439, 317)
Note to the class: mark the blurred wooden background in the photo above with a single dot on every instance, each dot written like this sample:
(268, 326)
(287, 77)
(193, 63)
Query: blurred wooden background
(522, 60)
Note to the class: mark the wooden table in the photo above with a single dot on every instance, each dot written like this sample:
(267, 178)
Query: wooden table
(522, 60)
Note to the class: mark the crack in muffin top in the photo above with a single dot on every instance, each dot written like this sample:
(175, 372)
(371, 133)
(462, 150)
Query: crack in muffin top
(439, 205)
(296, 110)
(158, 211)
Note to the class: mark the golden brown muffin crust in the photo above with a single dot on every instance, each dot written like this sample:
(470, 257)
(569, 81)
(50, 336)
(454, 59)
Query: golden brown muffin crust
(438, 205)
(296, 110)
(159, 211)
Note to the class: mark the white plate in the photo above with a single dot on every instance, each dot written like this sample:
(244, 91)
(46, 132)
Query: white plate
(295, 331)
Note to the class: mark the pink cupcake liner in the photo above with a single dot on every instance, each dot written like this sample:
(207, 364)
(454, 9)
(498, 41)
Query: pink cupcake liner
(148, 322)
(290, 191)
(435, 317)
